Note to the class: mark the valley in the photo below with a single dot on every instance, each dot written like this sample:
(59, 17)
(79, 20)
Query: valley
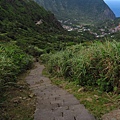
(95, 30)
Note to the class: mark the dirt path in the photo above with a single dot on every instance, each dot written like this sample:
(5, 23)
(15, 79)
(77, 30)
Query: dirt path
(54, 103)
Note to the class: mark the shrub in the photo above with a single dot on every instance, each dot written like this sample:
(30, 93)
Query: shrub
(96, 64)
(34, 50)
(12, 62)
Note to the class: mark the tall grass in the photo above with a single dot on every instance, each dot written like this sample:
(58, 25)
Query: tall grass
(97, 64)
(12, 62)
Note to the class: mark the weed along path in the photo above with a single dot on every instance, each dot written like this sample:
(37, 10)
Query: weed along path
(54, 103)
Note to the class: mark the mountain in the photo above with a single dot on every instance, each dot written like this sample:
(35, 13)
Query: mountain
(84, 11)
(114, 5)
(21, 17)
(29, 25)
(32, 28)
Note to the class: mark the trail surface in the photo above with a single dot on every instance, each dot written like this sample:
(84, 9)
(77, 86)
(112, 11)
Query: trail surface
(54, 103)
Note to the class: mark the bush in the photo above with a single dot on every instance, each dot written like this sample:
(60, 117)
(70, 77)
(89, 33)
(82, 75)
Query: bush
(92, 65)
(34, 50)
(12, 62)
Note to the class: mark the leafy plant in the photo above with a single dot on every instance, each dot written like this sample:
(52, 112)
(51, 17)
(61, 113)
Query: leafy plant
(96, 64)
(12, 62)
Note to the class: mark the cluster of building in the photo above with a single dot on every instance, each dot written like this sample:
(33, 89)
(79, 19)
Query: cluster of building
(116, 29)
(110, 31)
(81, 28)
(78, 28)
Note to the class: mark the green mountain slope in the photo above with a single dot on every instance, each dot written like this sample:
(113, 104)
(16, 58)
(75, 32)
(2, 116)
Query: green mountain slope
(30, 25)
(85, 11)
(23, 15)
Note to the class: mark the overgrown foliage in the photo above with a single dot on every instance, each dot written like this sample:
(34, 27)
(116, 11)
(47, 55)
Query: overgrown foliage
(96, 64)
(13, 61)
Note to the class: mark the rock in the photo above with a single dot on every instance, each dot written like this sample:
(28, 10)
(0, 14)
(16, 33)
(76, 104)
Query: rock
(97, 97)
(81, 89)
(31, 95)
(16, 101)
(22, 87)
(20, 97)
(89, 99)
(113, 119)
(113, 115)
(24, 98)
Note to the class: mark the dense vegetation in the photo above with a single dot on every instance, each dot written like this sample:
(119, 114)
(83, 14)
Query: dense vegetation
(18, 22)
(96, 64)
(85, 11)
(12, 62)
(18, 28)
(28, 30)
(20, 36)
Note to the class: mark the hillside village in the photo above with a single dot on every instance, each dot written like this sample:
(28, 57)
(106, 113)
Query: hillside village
(116, 29)
(99, 33)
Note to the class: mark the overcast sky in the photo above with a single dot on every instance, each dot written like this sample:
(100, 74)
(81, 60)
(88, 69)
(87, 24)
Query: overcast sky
(115, 6)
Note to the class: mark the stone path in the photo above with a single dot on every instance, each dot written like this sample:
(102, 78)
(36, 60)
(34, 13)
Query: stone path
(114, 115)
(54, 103)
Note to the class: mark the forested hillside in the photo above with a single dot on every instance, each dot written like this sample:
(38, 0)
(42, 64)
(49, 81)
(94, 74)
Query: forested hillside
(25, 18)
(29, 24)
(81, 11)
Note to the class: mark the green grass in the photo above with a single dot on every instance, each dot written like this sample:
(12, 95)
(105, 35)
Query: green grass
(12, 61)
(15, 102)
(95, 64)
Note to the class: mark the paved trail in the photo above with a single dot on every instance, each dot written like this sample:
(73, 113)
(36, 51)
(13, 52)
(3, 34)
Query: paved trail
(54, 103)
